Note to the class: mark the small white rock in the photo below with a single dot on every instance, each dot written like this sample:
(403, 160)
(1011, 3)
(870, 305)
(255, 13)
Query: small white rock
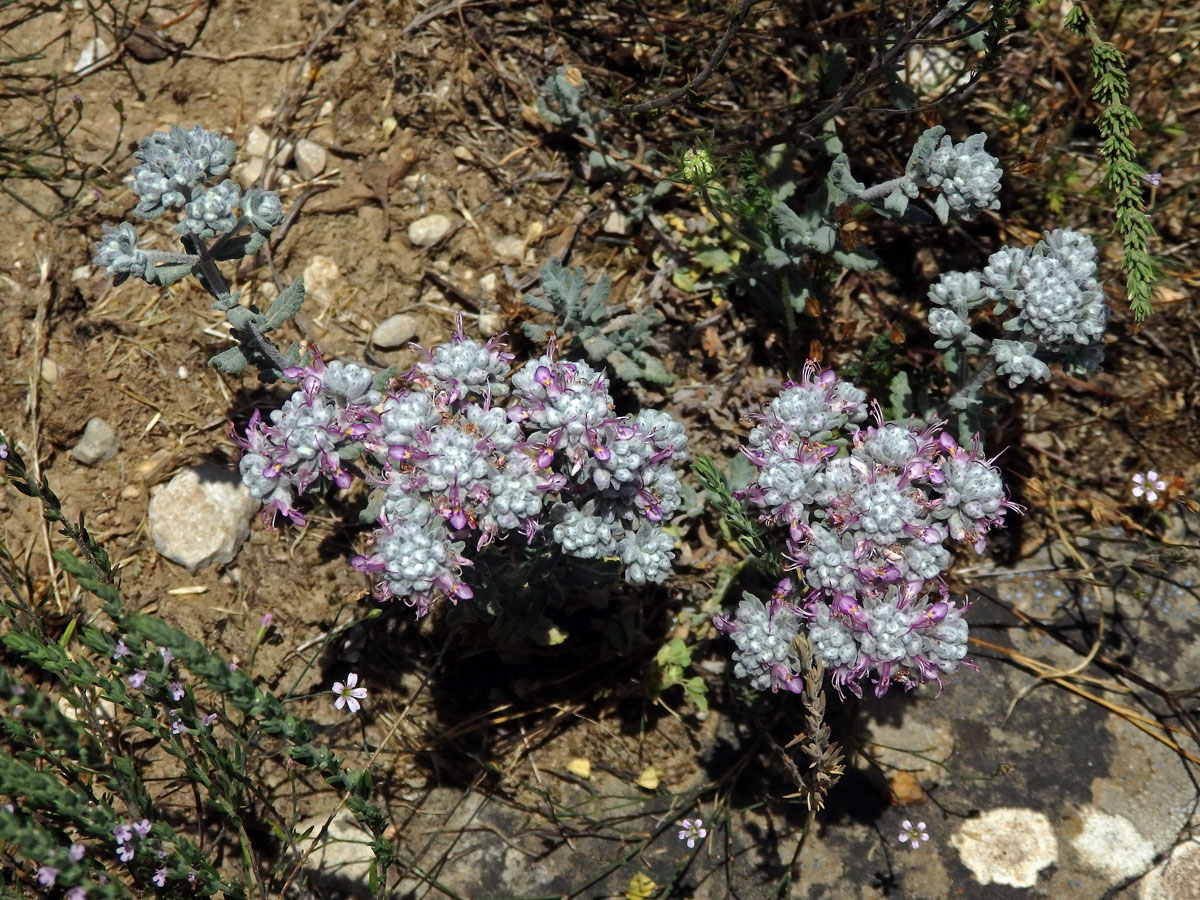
(310, 159)
(429, 230)
(256, 142)
(201, 517)
(616, 223)
(488, 283)
(395, 331)
(491, 322)
(247, 173)
(49, 371)
(320, 277)
(509, 248)
(98, 443)
(412, 182)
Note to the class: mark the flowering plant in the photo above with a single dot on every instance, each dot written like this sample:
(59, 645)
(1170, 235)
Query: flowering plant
(869, 510)
(455, 455)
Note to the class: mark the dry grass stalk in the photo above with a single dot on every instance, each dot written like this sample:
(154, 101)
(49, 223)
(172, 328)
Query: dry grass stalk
(825, 756)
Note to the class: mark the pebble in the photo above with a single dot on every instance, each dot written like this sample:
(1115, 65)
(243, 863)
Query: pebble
(310, 159)
(429, 230)
(509, 248)
(394, 332)
(98, 443)
(320, 275)
(49, 371)
(491, 322)
(488, 283)
(616, 223)
(257, 142)
(201, 517)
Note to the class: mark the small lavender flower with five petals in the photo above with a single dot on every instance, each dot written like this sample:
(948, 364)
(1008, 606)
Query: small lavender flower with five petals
(1148, 486)
(692, 830)
(913, 834)
(347, 694)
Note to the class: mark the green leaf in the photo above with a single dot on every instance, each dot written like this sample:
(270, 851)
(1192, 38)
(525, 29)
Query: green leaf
(675, 653)
(231, 361)
(286, 305)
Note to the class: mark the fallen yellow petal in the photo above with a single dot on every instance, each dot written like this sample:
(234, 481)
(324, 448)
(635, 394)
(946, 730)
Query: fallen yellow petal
(641, 887)
(648, 779)
(580, 766)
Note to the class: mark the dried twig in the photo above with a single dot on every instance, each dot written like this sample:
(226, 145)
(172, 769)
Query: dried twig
(739, 19)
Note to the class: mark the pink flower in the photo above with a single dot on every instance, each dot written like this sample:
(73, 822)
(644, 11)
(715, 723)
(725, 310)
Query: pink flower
(913, 834)
(1148, 485)
(347, 694)
(692, 830)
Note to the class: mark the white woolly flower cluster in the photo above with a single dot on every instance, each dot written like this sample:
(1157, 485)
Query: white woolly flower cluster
(1049, 294)
(870, 512)
(450, 466)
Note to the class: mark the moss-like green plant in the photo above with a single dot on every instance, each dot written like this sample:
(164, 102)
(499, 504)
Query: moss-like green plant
(1123, 175)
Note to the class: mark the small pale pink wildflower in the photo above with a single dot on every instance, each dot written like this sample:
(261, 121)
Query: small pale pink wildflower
(913, 834)
(176, 691)
(1148, 486)
(77, 852)
(142, 828)
(47, 875)
(76, 893)
(160, 877)
(137, 679)
(347, 694)
(692, 830)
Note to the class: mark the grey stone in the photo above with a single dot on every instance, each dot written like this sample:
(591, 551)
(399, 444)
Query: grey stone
(395, 331)
(341, 857)
(98, 443)
(509, 248)
(310, 158)
(491, 322)
(201, 517)
(429, 230)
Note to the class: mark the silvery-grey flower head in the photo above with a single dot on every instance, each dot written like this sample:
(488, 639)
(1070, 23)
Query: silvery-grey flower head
(646, 554)
(1018, 362)
(263, 209)
(967, 175)
(763, 636)
(174, 163)
(211, 211)
(118, 252)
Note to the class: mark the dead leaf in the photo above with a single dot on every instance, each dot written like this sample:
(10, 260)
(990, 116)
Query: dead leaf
(711, 342)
